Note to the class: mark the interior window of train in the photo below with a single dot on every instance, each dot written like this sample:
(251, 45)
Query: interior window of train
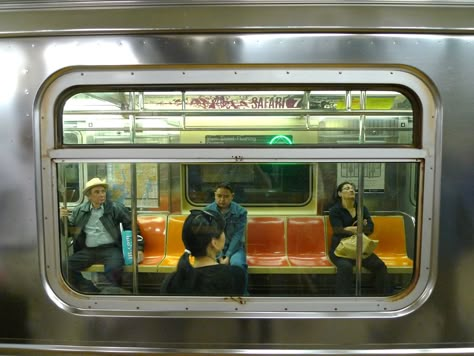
(344, 116)
(253, 184)
(287, 239)
(72, 177)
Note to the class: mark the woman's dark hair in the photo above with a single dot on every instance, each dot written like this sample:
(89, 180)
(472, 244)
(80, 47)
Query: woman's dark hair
(339, 189)
(199, 228)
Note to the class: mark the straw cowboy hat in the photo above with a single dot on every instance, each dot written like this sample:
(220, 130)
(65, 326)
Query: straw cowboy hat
(94, 182)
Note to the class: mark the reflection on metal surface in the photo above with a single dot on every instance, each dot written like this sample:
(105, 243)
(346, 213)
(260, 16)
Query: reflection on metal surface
(77, 53)
(11, 71)
(124, 45)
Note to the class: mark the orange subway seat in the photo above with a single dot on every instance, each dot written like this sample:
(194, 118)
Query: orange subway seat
(266, 242)
(306, 242)
(390, 231)
(153, 229)
(174, 243)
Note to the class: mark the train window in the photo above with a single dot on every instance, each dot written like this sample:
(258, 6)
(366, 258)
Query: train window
(291, 236)
(75, 176)
(292, 118)
(254, 184)
(157, 144)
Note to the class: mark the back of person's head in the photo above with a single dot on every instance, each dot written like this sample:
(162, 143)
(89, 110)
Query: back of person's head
(199, 228)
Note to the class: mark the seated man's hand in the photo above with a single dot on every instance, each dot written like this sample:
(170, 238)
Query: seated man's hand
(140, 256)
(63, 212)
(224, 260)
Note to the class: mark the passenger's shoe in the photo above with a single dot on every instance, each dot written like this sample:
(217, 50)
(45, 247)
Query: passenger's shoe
(114, 290)
(88, 287)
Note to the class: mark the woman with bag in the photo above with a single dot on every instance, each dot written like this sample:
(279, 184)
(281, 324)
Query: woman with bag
(343, 218)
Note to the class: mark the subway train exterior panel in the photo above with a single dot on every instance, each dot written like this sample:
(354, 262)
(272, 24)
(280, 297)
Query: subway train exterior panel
(283, 99)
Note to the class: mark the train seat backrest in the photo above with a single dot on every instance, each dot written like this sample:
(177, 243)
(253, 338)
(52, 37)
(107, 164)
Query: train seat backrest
(305, 235)
(266, 241)
(153, 230)
(266, 235)
(306, 244)
(328, 233)
(174, 243)
(390, 231)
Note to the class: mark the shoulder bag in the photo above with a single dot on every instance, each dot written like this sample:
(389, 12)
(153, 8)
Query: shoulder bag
(347, 247)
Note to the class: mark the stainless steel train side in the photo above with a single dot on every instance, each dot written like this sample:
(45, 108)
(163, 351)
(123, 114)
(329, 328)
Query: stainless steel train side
(40, 42)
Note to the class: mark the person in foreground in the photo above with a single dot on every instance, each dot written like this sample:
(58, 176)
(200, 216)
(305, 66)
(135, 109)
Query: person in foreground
(235, 217)
(204, 238)
(98, 238)
(343, 218)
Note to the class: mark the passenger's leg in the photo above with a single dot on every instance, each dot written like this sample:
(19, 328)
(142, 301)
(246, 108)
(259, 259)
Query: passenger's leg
(344, 275)
(240, 259)
(78, 262)
(113, 264)
(382, 279)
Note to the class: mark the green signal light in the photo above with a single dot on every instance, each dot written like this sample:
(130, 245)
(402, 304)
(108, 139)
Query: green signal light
(281, 139)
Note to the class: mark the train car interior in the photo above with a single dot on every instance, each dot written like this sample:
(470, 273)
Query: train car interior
(288, 231)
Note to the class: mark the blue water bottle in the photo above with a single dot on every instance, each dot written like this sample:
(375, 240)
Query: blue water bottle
(127, 246)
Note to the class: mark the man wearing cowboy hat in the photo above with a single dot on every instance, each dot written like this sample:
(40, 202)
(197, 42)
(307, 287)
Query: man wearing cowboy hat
(98, 237)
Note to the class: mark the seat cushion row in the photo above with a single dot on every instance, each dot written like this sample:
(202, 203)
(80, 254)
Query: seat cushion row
(275, 244)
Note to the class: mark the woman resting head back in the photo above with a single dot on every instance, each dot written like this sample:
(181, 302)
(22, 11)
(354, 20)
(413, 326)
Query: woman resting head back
(343, 218)
(345, 190)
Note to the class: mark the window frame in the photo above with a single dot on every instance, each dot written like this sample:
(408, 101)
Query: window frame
(425, 151)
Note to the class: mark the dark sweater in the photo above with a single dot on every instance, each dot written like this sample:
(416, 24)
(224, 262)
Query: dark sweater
(215, 280)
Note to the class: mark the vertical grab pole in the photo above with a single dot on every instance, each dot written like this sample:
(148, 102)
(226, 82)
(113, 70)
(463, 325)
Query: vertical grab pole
(133, 196)
(360, 198)
(360, 226)
(65, 220)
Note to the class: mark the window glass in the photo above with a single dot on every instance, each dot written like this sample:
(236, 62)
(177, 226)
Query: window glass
(74, 176)
(254, 184)
(239, 118)
(292, 218)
